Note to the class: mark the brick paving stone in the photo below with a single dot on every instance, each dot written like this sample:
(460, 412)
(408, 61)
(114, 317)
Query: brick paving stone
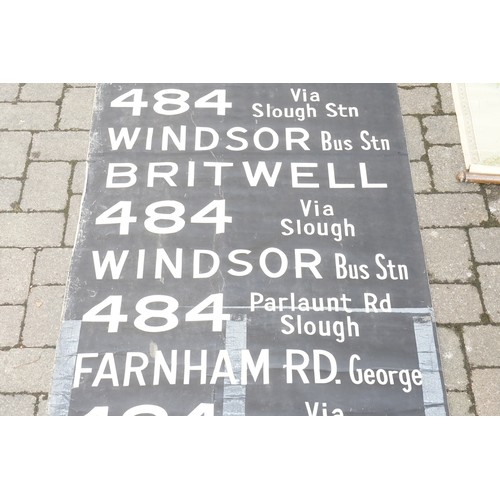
(485, 244)
(414, 141)
(456, 303)
(26, 370)
(447, 103)
(46, 186)
(76, 111)
(8, 91)
(73, 217)
(489, 276)
(11, 318)
(452, 359)
(420, 177)
(51, 266)
(447, 162)
(79, 174)
(493, 197)
(482, 345)
(459, 404)
(442, 129)
(31, 230)
(43, 316)
(15, 274)
(447, 255)
(486, 388)
(41, 92)
(17, 405)
(60, 146)
(10, 190)
(460, 209)
(28, 116)
(13, 151)
(418, 101)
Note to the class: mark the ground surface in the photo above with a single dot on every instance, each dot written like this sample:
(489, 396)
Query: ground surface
(44, 134)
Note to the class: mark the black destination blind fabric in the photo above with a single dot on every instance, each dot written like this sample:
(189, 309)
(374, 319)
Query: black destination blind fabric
(248, 249)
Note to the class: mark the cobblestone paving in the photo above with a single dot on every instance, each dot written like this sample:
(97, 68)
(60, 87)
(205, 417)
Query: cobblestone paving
(43, 148)
(461, 236)
(44, 135)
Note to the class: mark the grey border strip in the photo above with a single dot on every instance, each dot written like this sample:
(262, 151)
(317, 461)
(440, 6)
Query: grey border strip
(233, 403)
(62, 380)
(432, 388)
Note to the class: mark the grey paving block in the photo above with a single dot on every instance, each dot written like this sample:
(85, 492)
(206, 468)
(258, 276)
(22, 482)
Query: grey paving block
(43, 316)
(452, 360)
(76, 111)
(489, 276)
(485, 243)
(447, 255)
(456, 303)
(418, 101)
(26, 370)
(28, 116)
(79, 176)
(92, 85)
(447, 103)
(486, 388)
(15, 273)
(493, 197)
(13, 153)
(420, 177)
(46, 186)
(414, 139)
(10, 189)
(460, 209)
(60, 146)
(73, 217)
(482, 345)
(8, 91)
(31, 230)
(442, 129)
(11, 318)
(446, 163)
(459, 404)
(41, 92)
(17, 405)
(51, 266)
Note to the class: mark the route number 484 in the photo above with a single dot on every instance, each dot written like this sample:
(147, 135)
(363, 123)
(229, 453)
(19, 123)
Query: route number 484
(160, 222)
(172, 101)
(164, 318)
